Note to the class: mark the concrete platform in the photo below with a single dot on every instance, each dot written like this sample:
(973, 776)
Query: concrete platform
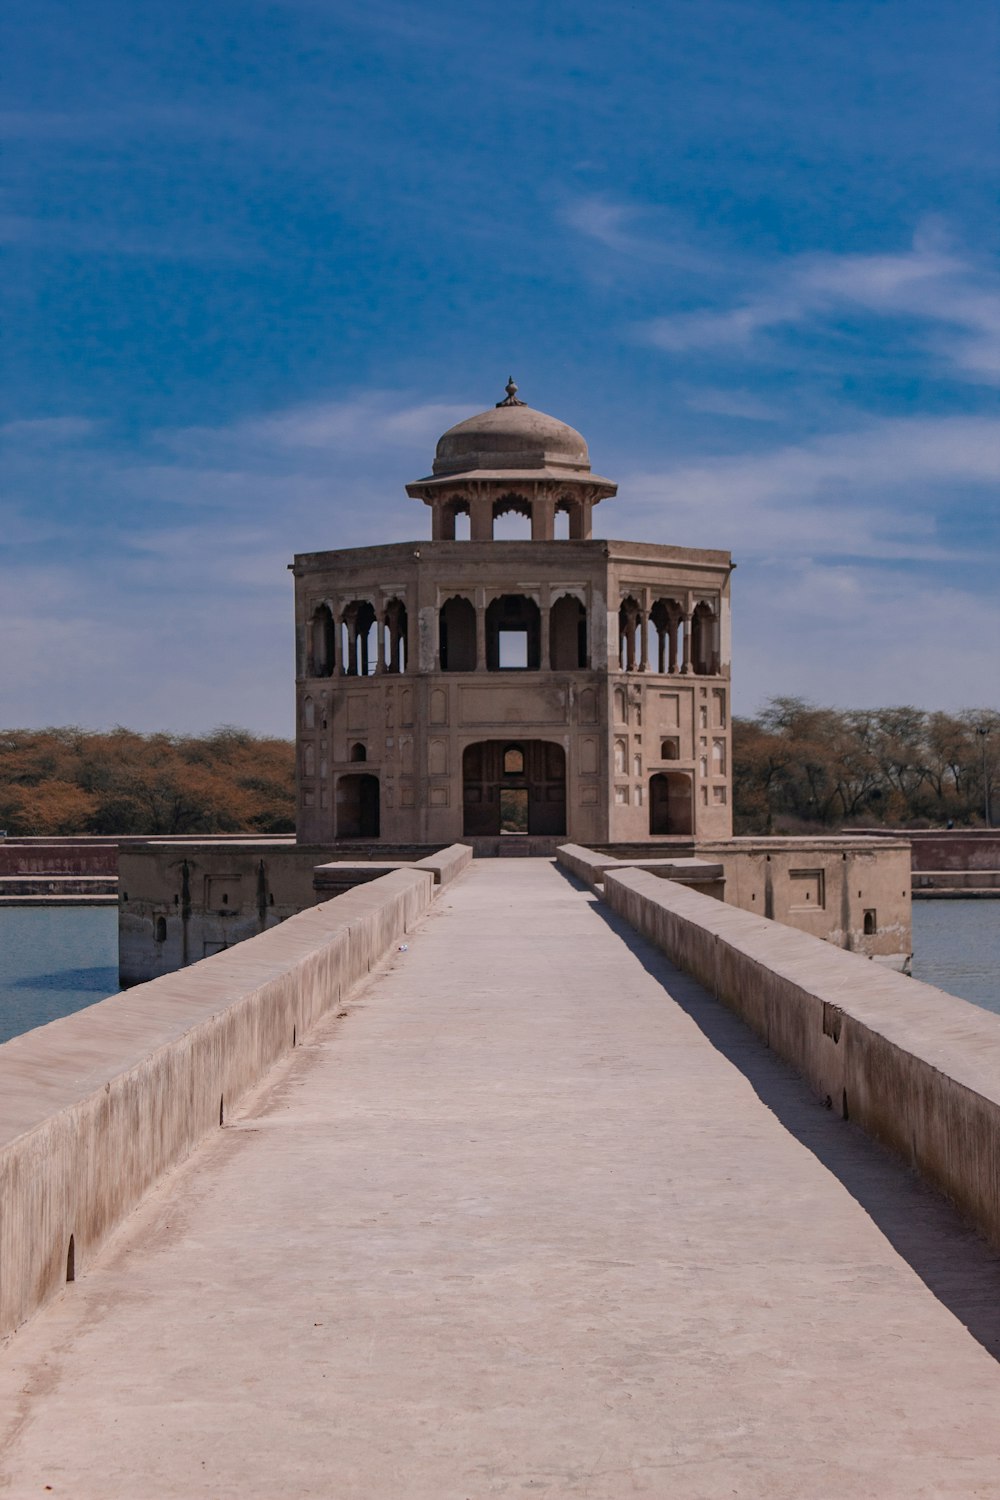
(534, 1216)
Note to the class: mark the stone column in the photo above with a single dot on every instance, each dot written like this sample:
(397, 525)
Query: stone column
(379, 643)
(686, 664)
(643, 628)
(543, 517)
(480, 630)
(442, 522)
(481, 518)
(545, 644)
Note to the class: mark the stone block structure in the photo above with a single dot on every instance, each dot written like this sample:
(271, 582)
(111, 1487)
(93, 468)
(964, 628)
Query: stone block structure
(554, 687)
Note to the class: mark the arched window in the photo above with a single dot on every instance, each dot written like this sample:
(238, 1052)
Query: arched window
(395, 636)
(665, 618)
(361, 652)
(357, 807)
(512, 518)
(670, 749)
(513, 634)
(671, 803)
(358, 752)
(457, 635)
(704, 640)
(161, 930)
(567, 635)
(321, 642)
(513, 761)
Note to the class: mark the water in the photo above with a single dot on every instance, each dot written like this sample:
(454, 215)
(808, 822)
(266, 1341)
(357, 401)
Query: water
(54, 960)
(956, 945)
(57, 959)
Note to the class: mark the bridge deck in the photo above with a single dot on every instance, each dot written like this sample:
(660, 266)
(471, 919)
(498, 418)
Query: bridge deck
(536, 1217)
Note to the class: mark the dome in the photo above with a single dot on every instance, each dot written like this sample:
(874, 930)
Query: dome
(511, 436)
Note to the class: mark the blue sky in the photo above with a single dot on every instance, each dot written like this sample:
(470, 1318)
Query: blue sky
(259, 255)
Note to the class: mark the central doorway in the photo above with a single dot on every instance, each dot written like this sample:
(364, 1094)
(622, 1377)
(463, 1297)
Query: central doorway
(514, 786)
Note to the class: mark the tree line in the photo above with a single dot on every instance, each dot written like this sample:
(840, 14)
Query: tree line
(63, 781)
(799, 768)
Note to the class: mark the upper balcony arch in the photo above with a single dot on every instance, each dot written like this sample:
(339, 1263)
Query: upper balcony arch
(568, 645)
(358, 638)
(395, 635)
(457, 634)
(705, 639)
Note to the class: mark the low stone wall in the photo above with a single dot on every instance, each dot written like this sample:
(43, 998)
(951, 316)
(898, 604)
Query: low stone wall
(95, 1107)
(589, 866)
(447, 863)
(917, 1068)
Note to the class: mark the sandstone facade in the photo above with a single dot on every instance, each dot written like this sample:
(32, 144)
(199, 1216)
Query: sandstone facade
(553, 687)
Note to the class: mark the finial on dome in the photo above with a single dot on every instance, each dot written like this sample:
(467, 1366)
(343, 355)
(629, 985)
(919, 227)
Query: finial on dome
(511, 390)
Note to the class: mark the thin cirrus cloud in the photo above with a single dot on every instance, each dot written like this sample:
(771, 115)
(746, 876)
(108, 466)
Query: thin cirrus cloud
(952, 301)
(873, 492)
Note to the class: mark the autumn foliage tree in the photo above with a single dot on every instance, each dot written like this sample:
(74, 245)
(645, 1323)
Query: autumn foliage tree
(63, 781)
(798, 768)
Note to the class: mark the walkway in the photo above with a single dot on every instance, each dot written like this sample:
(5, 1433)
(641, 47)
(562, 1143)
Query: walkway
(533, 1218)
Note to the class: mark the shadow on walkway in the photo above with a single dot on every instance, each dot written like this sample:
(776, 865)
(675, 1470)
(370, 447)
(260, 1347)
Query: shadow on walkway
(952, 1260)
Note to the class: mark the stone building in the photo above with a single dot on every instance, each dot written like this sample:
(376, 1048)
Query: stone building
(556, 686)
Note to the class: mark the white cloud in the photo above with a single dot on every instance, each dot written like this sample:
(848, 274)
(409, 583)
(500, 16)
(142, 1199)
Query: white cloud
(362, 425)
(742, 404)
(861, 637)
(954, 300)
(845, 494)
(171, 605)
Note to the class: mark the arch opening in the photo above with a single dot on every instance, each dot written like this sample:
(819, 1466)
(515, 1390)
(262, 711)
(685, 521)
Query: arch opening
(671, 803)
(567, 634)
(360, 639)
(321, 642)
(358, 752)
(358, 811)
(704, 641)
(457, 635)
(665, 617)
(515, 787)
(395, 641)
(512, 518)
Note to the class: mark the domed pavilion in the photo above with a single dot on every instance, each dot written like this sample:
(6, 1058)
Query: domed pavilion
(536, 688)
(511, 458)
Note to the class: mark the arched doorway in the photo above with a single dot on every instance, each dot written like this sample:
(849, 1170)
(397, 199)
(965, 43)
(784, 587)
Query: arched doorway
(358, 807)
(514, 786)
(671, 803)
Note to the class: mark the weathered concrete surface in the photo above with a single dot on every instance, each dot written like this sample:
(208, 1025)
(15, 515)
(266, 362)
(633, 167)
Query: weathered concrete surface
(915, 1067)
(96, 1106)
(523, 1222)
